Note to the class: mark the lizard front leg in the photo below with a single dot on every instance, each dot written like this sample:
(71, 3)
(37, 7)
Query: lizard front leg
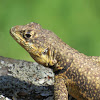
(60, 90)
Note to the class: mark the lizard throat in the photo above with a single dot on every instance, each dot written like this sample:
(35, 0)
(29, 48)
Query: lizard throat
(59, 70)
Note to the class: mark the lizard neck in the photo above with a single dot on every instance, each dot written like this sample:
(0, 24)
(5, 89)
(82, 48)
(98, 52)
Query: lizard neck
(64, 57)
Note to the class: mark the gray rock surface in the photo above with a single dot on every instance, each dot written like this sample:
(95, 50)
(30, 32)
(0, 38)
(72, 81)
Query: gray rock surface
(23, 80)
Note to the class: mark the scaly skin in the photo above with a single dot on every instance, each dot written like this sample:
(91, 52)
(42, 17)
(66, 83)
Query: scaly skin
(74, 71)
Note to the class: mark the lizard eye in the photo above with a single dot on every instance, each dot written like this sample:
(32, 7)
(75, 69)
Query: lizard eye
(27, 34)
(45, 51)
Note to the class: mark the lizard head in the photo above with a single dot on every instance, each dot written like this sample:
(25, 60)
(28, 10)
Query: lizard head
(37, 41)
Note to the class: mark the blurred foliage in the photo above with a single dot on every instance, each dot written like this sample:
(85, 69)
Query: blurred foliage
(76, 22)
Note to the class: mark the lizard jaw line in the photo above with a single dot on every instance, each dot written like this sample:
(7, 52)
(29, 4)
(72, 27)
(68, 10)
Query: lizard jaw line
(17, 37)
(21, 40)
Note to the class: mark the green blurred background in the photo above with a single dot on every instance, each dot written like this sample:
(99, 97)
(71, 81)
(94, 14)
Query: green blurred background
(76, 22)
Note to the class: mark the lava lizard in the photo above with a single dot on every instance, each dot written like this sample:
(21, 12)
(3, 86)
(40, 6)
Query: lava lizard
(74, 72)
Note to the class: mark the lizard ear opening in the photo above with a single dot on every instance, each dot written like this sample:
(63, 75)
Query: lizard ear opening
(45, 51)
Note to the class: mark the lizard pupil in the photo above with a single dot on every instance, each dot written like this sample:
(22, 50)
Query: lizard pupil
(28, 35)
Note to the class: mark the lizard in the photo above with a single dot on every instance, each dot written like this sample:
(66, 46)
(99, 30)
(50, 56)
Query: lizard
(75, 72)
